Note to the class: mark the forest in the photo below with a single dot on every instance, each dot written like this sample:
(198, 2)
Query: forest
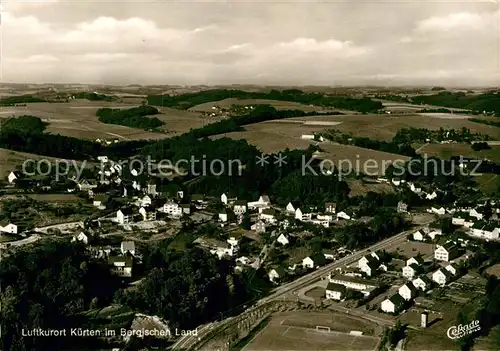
(134, 117)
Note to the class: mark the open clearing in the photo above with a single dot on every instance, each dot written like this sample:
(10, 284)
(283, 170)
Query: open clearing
(412, 248)
(287, 332)
(77, 119)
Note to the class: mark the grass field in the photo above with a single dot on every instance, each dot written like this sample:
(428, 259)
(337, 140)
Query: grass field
(445, 151)
(77, 119)
(412, 248)
(279, 105)
(292, 332)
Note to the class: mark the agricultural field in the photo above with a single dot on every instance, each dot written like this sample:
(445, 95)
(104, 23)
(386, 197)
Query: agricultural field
(78, 119)
(297, 331)
(279, 105)
(360, 188)
(445, 151)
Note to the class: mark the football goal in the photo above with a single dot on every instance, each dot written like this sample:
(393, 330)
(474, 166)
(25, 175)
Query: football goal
(322, 328)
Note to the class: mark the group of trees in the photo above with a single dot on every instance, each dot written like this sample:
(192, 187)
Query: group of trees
(399, 148)
(415, 135)
(25, 124)
(21, 99)
(92, 96)
(480, 146)
(47, 287)
(485, 121)
(185, 101)
(133, 117)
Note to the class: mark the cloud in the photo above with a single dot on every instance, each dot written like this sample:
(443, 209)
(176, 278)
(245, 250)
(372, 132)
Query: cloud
(453, 21)
(328, 47)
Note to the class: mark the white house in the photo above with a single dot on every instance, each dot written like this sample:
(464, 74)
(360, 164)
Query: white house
(313, 261)
(446, 252)
(410, 271)
(145, 201)
(415, 260)
(263, 202)
(147, 214)
(365, 286)
(124, 215)
(441, 277)
(121, 265)
(486, 230)
(325, 217)
(98, 200)
(392, 304)
(419, 235)
(283, 240)
(276, 274)
(291, 208)
(450, 268)
(415, 188)
(86, 185)
(343, 215)
(127, 246)
(396, 181)
(259, 227)
(13, 176)
(223, 217)
(408, 291)
(423, 283)
(474, 213)
(439, 211)
(431, 196)
(7, 227)
(172, 209)
(330, 207)
(268, 215)
(335, 291)
(240, 207)
(81, 237)
(223, 199)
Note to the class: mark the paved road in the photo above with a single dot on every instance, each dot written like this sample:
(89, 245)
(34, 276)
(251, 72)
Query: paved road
(188, 342)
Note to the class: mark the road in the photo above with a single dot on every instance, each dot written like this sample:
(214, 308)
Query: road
(188, 341)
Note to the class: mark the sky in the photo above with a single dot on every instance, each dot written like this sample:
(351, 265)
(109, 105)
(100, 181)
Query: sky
(332, 42)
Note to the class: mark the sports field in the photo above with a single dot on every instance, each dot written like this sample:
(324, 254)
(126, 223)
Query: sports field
(297, 331)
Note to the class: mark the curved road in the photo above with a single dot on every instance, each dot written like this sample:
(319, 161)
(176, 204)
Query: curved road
(188, 341)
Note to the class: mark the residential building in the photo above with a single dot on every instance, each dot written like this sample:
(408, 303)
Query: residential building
(223, 199)
(186, 208)
(259, 227)
(359, 284)
(145, 201)
(335, 291)
(393, 304)
(81, 237)
(172, 209)
(486, 230)
(419, 235)
(127, 246)
(276, 274)
(148, 214)
(7, 227)
(369, 263)
(283, 240)
(329, 254)
(240, 207)
(402, 207)
(314, 261)
(268, 215)
(408, 291)
(330, 207)
(418, 260)
(475, 213)
(441, 277)
(431, 196)
(446, 252)
(450, 268)
(409, 272)
(121, 265)
(422, 283)
(86, 185)
(98, 200)
(13, 176)
(262, 202)
(291, 207)
(124, 215)
(223, 216)
(343, 215)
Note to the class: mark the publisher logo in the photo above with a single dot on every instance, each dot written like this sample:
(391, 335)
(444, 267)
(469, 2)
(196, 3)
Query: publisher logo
(457, 332)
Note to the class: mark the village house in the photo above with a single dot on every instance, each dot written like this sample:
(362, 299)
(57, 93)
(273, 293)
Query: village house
(441, 277)
(369, 264)
(446, 252)
(81, 237)
(13, 176)
(263, 202)
(408, 291)
(330, 207)
(86, 185)
(410, 271)
(431, 196)
(127, 246)
(486, 230)
(335, 291)
(268, 215)
(418, 260)
(223, 199)
(302, 216)
(396, 181)
(124, 215)
(283, 240)
(291, 207)
(276, 274)
(343, 215)
(240, 207)
(354, 283)
(172, 209)
(402, 207)
(329, 254)
(185, 208)
(393, 304)
(7, 227)
(145, 201)
(223, 217)
(420, 235)
(476, 214)
(121, 265)
(463, 219)
(148, 214)
(439, 211)
(450, 268)
(259, 227)
(313, 261)
(423, 283)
